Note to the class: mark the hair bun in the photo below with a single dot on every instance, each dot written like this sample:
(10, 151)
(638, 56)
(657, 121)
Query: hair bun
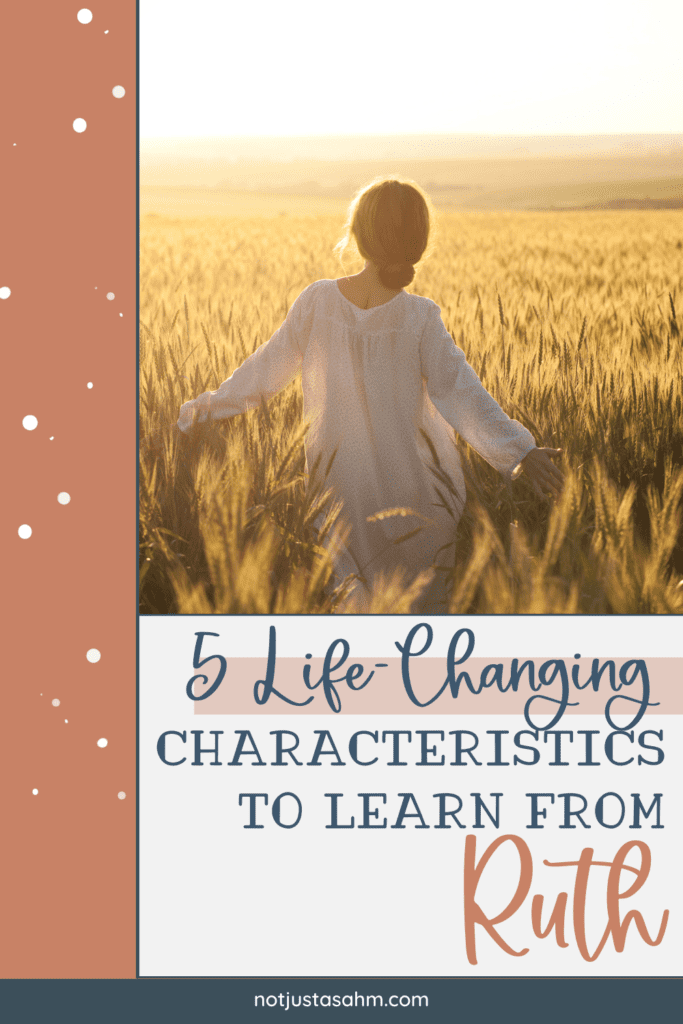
(396, 275)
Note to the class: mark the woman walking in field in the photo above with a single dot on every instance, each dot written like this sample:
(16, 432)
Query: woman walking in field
(380, 375)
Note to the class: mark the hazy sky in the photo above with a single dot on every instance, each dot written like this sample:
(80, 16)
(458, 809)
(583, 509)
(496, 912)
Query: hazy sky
(312, 67)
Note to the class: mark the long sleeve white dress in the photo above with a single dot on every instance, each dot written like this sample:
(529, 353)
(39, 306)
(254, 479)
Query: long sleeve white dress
(373, 380)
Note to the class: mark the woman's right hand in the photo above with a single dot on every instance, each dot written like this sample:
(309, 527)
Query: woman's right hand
(541, 471)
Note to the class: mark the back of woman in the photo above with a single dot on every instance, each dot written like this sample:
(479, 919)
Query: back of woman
(384, 387)
(367, 404)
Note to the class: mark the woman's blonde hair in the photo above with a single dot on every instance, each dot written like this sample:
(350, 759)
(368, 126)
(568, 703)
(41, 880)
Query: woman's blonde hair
(389, 220)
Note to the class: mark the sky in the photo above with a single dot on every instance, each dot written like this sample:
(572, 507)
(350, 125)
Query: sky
(367, 67)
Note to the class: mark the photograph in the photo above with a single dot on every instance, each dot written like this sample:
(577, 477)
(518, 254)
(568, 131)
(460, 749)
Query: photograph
(389, 368)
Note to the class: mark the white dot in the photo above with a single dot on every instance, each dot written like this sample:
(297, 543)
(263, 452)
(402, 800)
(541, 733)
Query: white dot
(35, 792)
(110, 295)
(106, 31)
(5, 292)
(63, 498)
(89, 383)
(66, 721)
(25, 531)
(118, 91)
(122, 795)
(80, 125)
(84, 16)
(52, 438)
(93, 655)
(29, 423)
(120, 314)
(102, 742)
(55, 703)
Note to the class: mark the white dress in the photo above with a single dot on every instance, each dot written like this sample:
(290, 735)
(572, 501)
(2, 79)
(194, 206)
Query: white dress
(373, 380)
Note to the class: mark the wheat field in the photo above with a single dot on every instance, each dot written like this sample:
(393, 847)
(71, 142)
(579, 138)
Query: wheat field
(572, 320)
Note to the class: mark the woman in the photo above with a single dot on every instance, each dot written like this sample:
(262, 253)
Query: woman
(384, 388)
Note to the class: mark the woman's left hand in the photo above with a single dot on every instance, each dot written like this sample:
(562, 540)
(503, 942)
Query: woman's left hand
(185, 417)
(542, 473)
(194, 412)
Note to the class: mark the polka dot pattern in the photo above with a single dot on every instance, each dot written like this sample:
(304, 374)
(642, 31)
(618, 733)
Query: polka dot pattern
(65, 129)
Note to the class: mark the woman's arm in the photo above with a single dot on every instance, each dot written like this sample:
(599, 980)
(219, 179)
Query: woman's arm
(464, 402)
(261, 376)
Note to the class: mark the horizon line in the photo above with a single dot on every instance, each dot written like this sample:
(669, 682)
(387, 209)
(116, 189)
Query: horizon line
(444, 134)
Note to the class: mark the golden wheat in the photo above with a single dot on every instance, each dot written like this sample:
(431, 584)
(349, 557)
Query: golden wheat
(573, 322)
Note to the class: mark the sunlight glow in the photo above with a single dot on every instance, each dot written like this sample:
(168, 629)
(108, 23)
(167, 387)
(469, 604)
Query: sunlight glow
(306, 68)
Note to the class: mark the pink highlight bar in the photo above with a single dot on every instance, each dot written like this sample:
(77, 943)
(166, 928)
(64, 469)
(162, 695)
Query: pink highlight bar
(386, 694)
